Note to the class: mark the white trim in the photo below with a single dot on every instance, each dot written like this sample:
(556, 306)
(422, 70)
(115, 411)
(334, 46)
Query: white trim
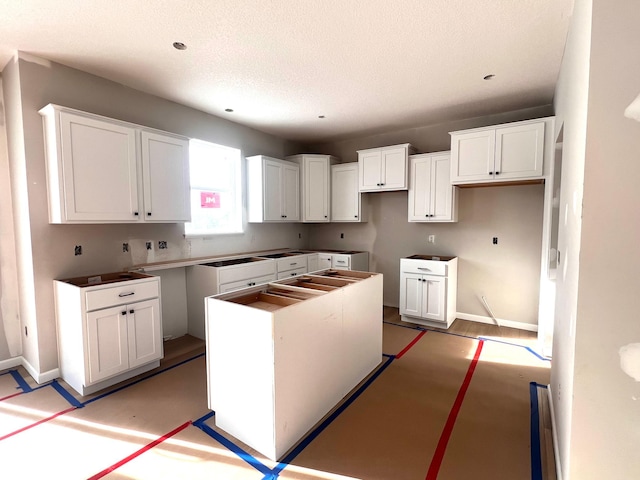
(503, 323)
(10, 363)
(40, 377)
(554, 435)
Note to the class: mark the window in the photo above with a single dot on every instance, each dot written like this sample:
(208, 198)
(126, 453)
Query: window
(216, 192)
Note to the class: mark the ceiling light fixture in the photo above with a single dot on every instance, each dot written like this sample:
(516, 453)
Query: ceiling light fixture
(488, 77)
(228, 110)
(179, 46)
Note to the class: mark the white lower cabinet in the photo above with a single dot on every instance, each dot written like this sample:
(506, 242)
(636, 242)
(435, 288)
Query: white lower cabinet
(302, 344)
(428, 289)
(108, 330)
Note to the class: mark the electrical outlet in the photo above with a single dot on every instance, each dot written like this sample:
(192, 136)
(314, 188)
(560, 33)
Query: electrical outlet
(162, 244)
(299, 235)
(77, 250)
(431, 239)
(125, 247)
(495, 240)
(342, 235)
(149, 245)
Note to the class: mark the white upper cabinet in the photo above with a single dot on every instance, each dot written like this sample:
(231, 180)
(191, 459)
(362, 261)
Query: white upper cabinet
(347, 203)
(273, 190)
(384, 168)
(432, 198)
(165, 173)
(509, 152)
(315, 186)
(101, 170)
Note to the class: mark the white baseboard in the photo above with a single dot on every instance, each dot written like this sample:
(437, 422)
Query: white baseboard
(10, 363)
(40, 377)
(554, 433)
(503, 323)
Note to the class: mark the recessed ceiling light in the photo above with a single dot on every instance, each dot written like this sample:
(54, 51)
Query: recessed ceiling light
(228, 110)
(179, 46)
(489, 77)
(320, 116)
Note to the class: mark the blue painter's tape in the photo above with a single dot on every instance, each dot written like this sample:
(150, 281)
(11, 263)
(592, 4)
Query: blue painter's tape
(22, 383)
(142, 379)
(309, 438)
(204, 418)
(66, 394)
(536, 458)
(247, 457)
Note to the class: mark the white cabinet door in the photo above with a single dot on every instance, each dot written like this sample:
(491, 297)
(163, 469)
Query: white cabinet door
(312, 262)
(291, 193)
(346, 198)
(144, 332)
(324, 261)
(316, 189)
(107, 350)
(443, 194)
(411, 287)
(394, 169)
(433, 298)
(272, 184)
(370, 164)
(419, 199)
(519, 151)
(165, 172)
(472, 156)
(98, 171)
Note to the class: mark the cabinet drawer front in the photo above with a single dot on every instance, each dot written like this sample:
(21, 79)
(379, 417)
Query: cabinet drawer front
(239, 273)
(249, 282)
(292, 273)
(341, 261)
(292, 263)
(426, 267)
(121, 294)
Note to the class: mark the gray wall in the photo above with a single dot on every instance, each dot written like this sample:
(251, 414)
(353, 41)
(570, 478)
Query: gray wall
(507, 274)
(46, 252)
(596, 401)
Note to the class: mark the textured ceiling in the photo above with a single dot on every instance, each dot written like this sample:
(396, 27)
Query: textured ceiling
(368, 66)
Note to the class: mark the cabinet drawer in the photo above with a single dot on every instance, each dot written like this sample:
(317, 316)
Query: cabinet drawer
(249, 282)
(426, 267)
(244, 272)
(341, 261)
(292, 273)
(291, 263)
(121, 294)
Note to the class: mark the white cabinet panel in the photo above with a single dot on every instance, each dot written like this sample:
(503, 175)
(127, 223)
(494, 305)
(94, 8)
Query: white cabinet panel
(273, 190)
(347, 203)
(315, 186)
(384, 168)
(508, 152)
(107, 343)
(144, 332)
(101, 170)
(431, 197)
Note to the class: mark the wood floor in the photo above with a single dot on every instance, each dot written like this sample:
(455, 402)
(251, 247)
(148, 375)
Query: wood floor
(439, 406)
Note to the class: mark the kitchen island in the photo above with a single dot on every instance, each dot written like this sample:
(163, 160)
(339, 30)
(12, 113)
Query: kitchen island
(280, 356)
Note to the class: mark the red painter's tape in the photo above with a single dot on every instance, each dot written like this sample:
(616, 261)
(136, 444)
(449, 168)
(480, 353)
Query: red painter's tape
(11, 396)
(413, 342)
(147, 447)
(436, 461)
(37, 423)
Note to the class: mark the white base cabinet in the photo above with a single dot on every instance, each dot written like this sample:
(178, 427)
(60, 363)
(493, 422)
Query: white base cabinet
(109, 328)
(281, 356)
(428, 290)
(101, 170)
(431, 198)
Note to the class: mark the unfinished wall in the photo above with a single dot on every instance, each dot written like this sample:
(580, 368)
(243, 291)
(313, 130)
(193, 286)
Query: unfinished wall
(508, 274)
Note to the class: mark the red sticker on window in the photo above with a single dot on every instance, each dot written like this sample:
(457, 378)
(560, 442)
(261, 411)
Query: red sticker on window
(209, 200)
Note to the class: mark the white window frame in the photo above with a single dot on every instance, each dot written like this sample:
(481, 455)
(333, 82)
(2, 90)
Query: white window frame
(199, 182)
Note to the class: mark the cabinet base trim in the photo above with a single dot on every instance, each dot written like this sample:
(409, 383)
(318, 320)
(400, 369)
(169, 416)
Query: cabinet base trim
(424, 322)
(88, 390)
(503, 323)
